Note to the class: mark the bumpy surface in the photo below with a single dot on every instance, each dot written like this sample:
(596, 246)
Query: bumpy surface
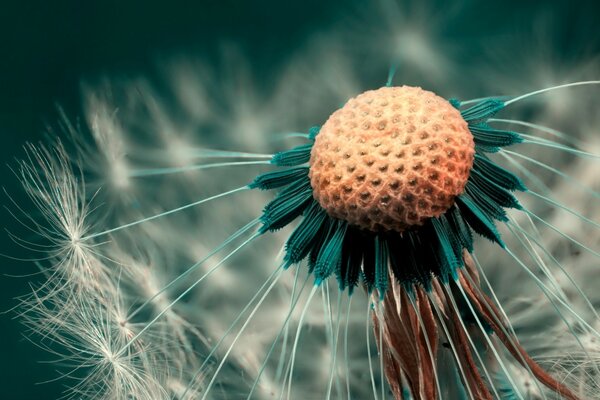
(391, 158)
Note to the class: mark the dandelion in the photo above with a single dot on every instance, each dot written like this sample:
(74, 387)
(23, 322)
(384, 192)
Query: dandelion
(377, 213)
(390, 190)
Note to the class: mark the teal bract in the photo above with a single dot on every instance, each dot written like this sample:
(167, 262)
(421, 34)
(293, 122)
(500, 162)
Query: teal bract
(414, 256)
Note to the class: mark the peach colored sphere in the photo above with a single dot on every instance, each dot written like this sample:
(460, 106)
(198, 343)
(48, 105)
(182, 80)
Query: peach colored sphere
(391, 158)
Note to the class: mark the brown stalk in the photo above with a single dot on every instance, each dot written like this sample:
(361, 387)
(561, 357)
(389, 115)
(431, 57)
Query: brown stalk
(474, 379)
(488, 310)
(404, 347)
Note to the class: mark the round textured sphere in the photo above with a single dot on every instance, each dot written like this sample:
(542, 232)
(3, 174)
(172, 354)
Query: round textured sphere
(391, 158)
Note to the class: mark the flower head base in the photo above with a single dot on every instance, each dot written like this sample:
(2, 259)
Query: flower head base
(428, 211)
(391, 158)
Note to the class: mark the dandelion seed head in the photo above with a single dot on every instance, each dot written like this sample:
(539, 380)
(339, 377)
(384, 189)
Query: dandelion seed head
(108, 158)
(89, 331)
(52, 185)
(391, 158)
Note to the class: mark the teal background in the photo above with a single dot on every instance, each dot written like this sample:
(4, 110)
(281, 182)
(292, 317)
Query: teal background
(48, 48)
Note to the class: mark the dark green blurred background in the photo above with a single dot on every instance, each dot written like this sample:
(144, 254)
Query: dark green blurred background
(48, 48)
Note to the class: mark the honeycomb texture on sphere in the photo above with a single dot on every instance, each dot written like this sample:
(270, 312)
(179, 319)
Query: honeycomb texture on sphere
(391, 158)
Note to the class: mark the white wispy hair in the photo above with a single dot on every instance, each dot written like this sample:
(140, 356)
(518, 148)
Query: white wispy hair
(90, 338)
(57, 191)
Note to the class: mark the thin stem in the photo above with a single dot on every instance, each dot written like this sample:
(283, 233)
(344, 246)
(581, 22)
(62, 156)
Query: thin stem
(233, 324)
(185, 292)
(440, 317)
(193, 267)
(164, 214)
(391, 74)
(529, 139)
(285, 327)
(139, 173)
(551, 169)
(369, 350)
(534, 93)
(563, 207)
(489, 341)
(346, 361)
(297, 339)
(480, 99)
(239, 334)
(541, 128)
(449, 296)
(334, 346)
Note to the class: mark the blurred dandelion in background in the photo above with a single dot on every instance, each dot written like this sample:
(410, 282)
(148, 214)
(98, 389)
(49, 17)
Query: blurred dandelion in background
(336, 233)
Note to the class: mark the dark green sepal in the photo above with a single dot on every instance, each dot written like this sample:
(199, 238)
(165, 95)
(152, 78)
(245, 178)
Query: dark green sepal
(492, 209)
(453, 238)
(460, 228)
(449, 249)
(455, 103)
(352, 256)
(482, 110)
(488, 137)
(398, 259)
(497, 174)
(410, 262)
(368, 270)
(495, 192)
(279, 178)
(478, 219)
(381, 265)
(286, 206)
(296, 156)
(481, 149)
(302, 240)
(425, 260)
(313, 132)
(320, 241)
(330, 256)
